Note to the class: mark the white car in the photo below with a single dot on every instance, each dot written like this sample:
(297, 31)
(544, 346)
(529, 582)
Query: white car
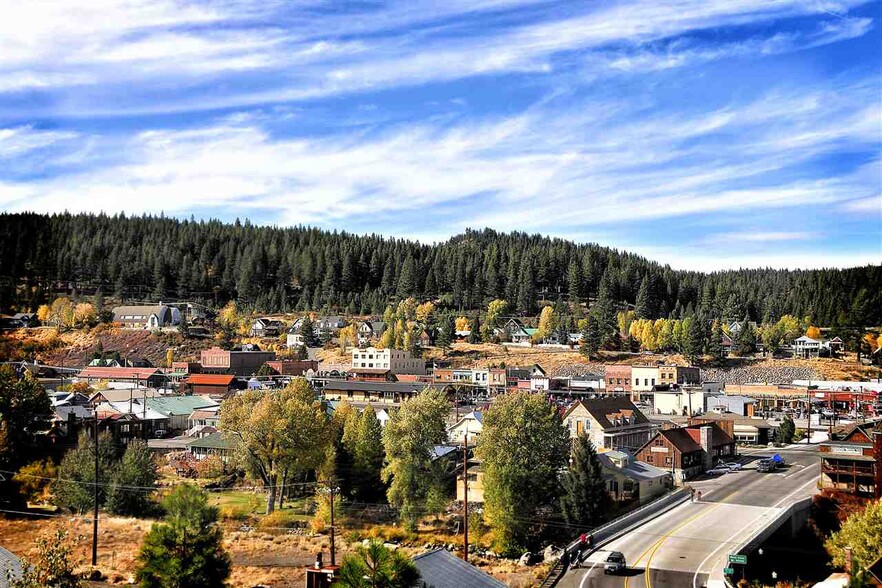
(718, 471)
(733, 466)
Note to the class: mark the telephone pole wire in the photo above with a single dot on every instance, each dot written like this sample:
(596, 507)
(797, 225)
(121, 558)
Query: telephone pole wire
(95, 517)
(465, 496)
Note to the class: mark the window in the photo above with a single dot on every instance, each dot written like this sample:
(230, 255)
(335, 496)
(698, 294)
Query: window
(669, 461)
(653, 381)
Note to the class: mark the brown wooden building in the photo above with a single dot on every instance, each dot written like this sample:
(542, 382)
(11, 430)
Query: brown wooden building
(853, 464)
(211, 384)
(687, 451)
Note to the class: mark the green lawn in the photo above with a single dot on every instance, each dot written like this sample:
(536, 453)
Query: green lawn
(246, 505)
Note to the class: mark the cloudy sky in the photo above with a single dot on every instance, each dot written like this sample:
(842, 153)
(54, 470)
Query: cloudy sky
(701, 133)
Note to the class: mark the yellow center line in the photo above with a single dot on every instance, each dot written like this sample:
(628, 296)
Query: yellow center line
(652, 549)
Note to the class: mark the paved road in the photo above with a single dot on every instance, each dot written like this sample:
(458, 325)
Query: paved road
(680, 547)
(8, 562)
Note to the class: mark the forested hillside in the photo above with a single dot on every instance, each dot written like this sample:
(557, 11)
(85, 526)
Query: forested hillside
(300, 268)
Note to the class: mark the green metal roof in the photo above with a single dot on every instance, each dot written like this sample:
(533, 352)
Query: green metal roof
(177, 405)
(213, 441)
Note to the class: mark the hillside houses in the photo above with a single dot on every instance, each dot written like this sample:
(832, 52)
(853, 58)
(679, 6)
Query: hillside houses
(147, 317)
(266, 327)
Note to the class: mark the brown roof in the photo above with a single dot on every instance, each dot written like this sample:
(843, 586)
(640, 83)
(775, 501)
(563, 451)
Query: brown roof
(680, 439)
(368, 371)
(604, 409)
(718, 438)
(211, 379)
(200, 413)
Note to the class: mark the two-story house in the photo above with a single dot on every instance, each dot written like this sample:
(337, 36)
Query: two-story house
(611, 423)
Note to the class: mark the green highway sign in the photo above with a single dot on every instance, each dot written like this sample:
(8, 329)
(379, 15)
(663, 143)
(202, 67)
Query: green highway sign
(728, 571)
(737, 558)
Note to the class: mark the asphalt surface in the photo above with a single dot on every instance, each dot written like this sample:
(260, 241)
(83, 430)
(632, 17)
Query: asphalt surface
(680, 547)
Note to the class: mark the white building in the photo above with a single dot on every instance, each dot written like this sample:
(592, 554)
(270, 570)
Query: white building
(395, 360)
(679, 401)
(807, 347)
(468, 427)
(643, 378)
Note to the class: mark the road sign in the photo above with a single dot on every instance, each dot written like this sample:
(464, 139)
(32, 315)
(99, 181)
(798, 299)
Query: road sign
(737, 558)
(728, 571)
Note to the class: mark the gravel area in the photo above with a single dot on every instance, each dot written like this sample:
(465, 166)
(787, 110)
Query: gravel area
(761, 375)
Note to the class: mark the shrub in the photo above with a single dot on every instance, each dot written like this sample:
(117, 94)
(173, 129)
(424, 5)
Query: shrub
(212, 467)
(34, 479)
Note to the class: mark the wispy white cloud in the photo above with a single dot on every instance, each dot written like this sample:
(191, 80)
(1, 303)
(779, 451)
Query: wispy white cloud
(314, 51)
(544, 168)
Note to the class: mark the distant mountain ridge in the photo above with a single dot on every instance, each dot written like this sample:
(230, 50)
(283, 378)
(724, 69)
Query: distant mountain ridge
(303, 268)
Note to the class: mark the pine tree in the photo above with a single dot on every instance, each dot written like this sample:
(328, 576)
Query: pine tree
(604, 314)
(136, 472)
(695, 339)
(367, 457)
(585, 499)
(646, 303)
(447, 332)
(715, 346)
(186, 549)
(746, 337)
(475, 332)
(526, 299)
(407, 278)
(574, 281)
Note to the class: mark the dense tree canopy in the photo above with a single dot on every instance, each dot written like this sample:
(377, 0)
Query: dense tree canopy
(523, 446)
(274, 268)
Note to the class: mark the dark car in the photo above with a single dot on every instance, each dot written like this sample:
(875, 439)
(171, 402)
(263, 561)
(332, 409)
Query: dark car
(766, 465)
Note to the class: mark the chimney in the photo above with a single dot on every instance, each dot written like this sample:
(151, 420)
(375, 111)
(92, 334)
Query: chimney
(706, 435)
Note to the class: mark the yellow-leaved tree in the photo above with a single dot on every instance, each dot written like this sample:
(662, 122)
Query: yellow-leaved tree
(813, 332)
(462, 323)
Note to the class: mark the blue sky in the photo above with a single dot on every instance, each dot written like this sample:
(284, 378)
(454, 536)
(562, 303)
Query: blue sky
(706, 134)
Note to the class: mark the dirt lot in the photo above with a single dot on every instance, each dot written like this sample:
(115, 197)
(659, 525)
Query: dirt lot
(275, 560)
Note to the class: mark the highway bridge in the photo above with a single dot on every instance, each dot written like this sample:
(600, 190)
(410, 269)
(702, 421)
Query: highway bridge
(682, 547)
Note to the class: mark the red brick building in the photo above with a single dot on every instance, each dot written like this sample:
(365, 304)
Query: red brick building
(618, 379)
(241, 362)
(293, 367)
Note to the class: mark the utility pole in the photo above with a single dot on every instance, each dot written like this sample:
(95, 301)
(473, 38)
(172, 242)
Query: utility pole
(465, 496)
(332, 490)
(808, 394)
(95, 516)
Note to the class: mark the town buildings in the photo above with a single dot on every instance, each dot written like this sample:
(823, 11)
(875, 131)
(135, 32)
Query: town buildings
(687, 451)
(395, 360)
(610, 422)
(241, 362)
(147, 317)
(853, 464)
(629, 479)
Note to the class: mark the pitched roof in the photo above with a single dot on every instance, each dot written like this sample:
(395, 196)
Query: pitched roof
(680, 439)
(109, 373)
(178, 405)
(442, 569)
(210, 379)
(719, 436)
(213, 441)
(603, 409)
